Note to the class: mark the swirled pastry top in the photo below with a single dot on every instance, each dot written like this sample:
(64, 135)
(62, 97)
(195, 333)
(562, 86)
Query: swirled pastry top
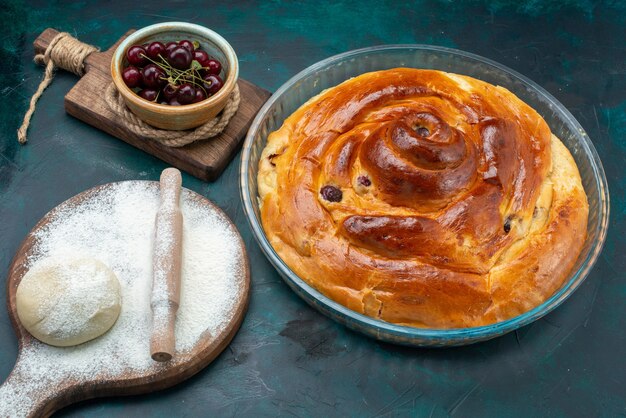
(423, 198)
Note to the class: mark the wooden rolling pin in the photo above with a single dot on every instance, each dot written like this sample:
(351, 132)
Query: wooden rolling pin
(167, 261)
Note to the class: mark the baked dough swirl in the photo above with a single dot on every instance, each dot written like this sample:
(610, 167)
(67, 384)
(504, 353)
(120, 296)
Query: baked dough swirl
(423, 198)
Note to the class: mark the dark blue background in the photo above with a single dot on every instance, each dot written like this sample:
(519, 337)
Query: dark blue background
(288, 359)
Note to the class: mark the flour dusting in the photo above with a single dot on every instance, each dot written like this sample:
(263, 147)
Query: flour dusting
(116, 226)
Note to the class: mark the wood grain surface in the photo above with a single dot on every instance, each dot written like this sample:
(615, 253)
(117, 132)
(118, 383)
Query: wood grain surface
(203, 159)
(68, 389)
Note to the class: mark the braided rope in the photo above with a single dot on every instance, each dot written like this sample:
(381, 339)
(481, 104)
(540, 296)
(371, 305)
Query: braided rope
(65, 52)
(172, 138)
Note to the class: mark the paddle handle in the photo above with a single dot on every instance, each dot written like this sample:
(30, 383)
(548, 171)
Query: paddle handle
(94, 60)
(43, 40)
(24, 395)
(167, 264)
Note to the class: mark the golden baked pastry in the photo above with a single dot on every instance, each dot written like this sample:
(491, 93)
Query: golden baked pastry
(423, 198)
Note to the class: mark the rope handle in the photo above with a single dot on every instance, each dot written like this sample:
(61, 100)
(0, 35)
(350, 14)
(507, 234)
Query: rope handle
(65, 52)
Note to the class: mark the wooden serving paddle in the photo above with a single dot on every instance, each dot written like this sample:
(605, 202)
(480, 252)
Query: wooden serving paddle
(37, 387)
(203, 159)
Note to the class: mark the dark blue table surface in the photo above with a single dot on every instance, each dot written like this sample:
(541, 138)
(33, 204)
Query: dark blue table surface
(287, 359)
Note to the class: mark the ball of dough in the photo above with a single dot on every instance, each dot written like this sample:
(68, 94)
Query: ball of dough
(68, 302)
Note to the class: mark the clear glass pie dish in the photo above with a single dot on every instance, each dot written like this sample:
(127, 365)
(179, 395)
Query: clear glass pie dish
(336, 69)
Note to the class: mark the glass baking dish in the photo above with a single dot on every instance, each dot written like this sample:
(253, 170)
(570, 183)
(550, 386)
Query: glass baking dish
(334, 70)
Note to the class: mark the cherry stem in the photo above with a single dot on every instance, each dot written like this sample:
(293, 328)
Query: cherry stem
(189, 75)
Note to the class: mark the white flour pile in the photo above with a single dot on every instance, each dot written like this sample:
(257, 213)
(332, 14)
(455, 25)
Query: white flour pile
(117, 227)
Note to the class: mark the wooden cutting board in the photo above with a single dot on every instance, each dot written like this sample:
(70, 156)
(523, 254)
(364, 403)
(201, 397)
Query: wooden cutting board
(203, 159)
(54, 389)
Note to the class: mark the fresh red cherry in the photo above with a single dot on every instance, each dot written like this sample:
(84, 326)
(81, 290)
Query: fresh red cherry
(200, 95)
(186, 94)
(169, 46)
(186, 44)
(202, 57)
(213, 66)
(149, 94)
(136, 56)
(180, 58)
(132, 77)
(153, 76)
(212, 83)
(155, 49)
(174, 102)
(169, 91)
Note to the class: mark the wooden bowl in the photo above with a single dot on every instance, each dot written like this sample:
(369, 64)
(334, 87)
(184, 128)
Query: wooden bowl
(177, 117)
